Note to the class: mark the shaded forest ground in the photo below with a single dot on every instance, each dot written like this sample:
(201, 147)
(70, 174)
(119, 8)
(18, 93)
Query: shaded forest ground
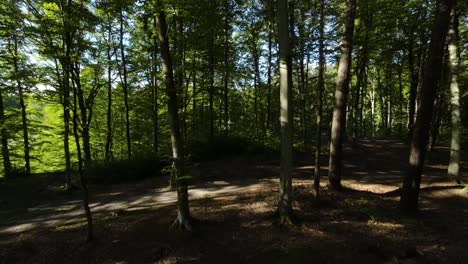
(234, 212)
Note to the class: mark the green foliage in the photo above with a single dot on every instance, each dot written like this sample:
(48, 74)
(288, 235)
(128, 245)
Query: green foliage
(220, 51)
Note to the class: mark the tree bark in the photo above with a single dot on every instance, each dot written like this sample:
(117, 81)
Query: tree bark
(108, 154)
(24, 120)
(154, 93)
(455, 117)
(84, 120)
(66, 68)
(285, 184)
(125, 85)
(227, 69)
(413, 89)
(270, 64)
(81, 168)
(321, 87)
(183, 212)
(412, 179)
(211, 89)
(4, 135)
(341, 96)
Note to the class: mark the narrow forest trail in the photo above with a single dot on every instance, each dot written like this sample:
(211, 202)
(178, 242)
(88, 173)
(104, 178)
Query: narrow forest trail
(374, 168)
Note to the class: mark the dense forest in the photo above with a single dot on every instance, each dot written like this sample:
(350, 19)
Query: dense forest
(97, 93)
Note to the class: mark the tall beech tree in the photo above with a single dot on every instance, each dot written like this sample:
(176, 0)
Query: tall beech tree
(341, 97)
(183, 212)
(320, 89)
(420, 137)
(454, 58)
(285, 183)
(4, 138)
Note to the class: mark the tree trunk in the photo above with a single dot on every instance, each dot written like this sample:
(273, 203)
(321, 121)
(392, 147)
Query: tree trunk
(341, 96)
(66, 124)
(108, 154)
(400, 94)
(321, 87)
(4, 135)
(372, 117)
(413, 91)
(125, 85)
(412, 180)
(183, 212)
(66, 68)
(454, 56)
(19, 86)
(270, 64)
(211, 89)
(285, 184)
(81, 169)
(85, 121)
(154, 93)
(227, 69)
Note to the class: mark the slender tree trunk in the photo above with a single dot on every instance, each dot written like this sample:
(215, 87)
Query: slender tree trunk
(321, 87)
(66, 68)
(24, 119)
(211, 89)
(372, 117)
(341, 96)
(256, 83)
(270, 64)
(454, 56)
(125, 84)
(84, 120)
(66, 126)
(82, 169)
(412, 92)
(154, 93)
(227, 68)
(108, 154)
(4, 135)
(302, 77)
(388, 106)
(183, 212)
(363, 105)
(412, 180)
(400, 94)
(359, 90)
(285, 184)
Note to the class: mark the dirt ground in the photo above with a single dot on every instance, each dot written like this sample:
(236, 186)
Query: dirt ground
(234, 216)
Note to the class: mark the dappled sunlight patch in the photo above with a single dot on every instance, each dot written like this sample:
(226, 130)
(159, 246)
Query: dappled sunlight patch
(372, 187)
(73, 226)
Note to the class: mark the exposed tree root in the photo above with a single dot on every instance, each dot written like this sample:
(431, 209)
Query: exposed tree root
(184, 225)
(285, 221)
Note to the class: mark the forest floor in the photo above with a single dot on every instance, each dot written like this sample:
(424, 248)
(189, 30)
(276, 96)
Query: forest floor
(234, 220)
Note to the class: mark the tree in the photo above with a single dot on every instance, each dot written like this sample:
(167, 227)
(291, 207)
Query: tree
(341, 97)
(412, 179)
(13, 39)
(4, 138)
(183, 212)
(320, 87)
(454, 57)
(285, 184)
(124, 77)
